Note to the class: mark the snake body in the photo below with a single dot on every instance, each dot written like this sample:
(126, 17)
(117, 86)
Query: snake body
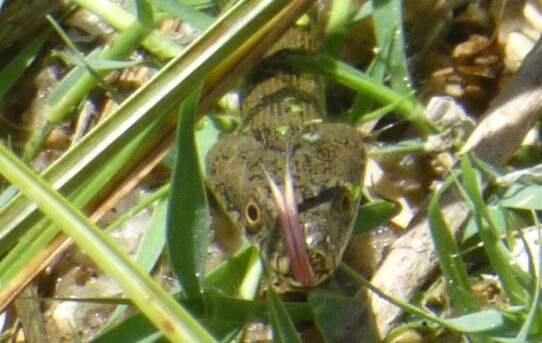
(284, 136)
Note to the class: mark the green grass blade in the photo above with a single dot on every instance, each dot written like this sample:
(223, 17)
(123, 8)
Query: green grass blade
(40, 229)
(360, 115)
(81, 80)
(196, 18)
(283, 328)
(453, 268)
(14, 69)
(137, 328)
(159, 307)
(533, 315)
(151, 245)
(337, 27)
(406, 146)
(150, 104)
(334, 314)
(523, 196)
(157, 43)
(144, 13)
(484, 322)
(355, 79)
(188, 216)
(388, 19)
(221, 308)
(198, 3)
(364, 12)
(376, 71)
(499, 256)
(372, 215)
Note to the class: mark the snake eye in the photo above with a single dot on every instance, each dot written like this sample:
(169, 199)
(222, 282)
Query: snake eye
(345, 203)
(253, 216)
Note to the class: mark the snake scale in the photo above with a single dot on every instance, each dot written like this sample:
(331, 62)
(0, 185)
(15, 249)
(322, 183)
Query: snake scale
(290, 179)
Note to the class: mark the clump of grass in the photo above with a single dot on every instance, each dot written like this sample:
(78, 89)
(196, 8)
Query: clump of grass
(216, 306)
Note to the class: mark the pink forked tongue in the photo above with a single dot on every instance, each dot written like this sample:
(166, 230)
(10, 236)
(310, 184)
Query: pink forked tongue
(290, 224)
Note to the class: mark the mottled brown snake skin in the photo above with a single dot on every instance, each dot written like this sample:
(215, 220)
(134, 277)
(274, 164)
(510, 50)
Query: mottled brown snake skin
(285, 143)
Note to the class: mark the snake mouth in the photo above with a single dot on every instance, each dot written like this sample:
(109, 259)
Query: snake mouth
(281, 269)
(322, 267)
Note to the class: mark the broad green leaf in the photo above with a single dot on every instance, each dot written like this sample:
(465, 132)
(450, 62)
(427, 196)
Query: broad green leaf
(188, 216)
(490, 320)
(283, 328)
(523, 196)
(373, 214)
(335, 315)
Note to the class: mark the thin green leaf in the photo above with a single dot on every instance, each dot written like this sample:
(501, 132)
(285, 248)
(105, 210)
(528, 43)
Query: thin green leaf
(16, 67)
(188, 216)
(355, 79)
(231, 275)
(134, 329)
(388, 19)
(230, 272)
(144, 13)
(147, 108)
(283, 328)
(364, 12)
(95, 62)
(76, 51)
(207, 135)
(150, 248)
(153, 241)
(157, 43)
(196, 18)
(376, 71)
(493, 321)
(337, 27)
(373, 214)
(161, 309)
(497, 252)
(335, 315)
(453, 269)
(376, 114)
(534, 311)
(523, 196)
(80, 81)
(480, 322)
(411, 145)
(198, 3)
(224, 313)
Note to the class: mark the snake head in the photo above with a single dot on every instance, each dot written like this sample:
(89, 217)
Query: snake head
(295, 197)
(303, 249)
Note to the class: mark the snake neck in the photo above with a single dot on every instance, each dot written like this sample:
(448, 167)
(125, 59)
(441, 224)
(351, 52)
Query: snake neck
(274, 96)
